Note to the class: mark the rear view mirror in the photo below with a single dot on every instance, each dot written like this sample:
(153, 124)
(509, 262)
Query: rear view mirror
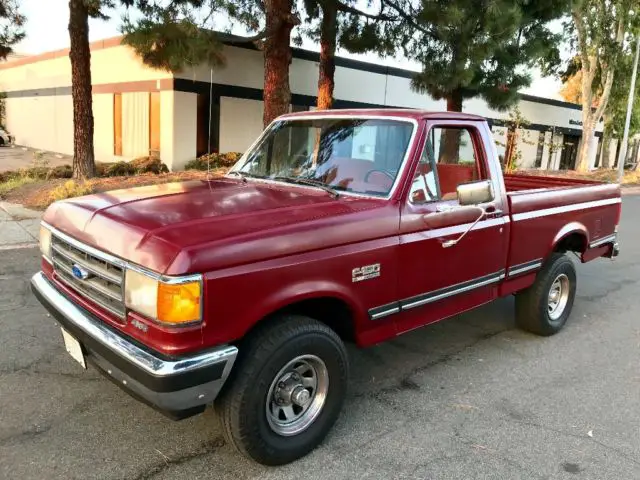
(475, 193)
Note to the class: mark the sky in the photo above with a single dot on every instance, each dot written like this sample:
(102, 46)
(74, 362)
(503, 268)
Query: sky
(47, 22)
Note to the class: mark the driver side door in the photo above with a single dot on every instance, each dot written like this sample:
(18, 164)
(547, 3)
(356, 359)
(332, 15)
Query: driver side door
(437, 281)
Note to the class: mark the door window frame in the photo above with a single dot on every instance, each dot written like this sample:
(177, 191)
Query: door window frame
(482, 169)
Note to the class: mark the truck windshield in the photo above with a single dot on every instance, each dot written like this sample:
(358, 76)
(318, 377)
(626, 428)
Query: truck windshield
(357, 155)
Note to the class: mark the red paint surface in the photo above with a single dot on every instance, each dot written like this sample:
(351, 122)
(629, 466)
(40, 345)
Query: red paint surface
(264, 246)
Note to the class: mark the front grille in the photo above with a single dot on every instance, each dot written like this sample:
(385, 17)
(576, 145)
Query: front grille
(104, 286)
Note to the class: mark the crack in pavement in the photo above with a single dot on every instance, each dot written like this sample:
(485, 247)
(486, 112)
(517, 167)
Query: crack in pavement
(204, 449)
(523, 468)
(26, 435)
(615, 286)
(575, 435)
(34, 431)
(406, 383)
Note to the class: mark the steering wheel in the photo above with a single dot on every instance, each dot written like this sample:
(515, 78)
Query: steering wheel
(390, 175)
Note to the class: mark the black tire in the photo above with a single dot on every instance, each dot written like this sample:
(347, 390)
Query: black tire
(532, 304)
(262, 355)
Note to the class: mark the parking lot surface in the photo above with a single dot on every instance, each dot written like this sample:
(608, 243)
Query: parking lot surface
(470, 397)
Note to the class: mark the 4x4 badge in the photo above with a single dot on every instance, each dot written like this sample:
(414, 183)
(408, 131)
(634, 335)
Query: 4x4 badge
(365, 273)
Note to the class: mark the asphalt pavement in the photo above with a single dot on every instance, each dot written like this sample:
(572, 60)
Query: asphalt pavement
(468, 398)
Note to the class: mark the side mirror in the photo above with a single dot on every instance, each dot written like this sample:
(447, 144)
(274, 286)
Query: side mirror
(475, 193)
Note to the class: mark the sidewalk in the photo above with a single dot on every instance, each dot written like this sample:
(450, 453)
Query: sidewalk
(15, 157)
(19, 226)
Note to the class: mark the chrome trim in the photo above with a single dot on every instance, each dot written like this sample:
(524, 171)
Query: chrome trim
(451, 293)
(84, 247)
(99, 272)
(525, 267)
(171, 280)
(601, 241)
(96, 286)
(385, 313)
(409, 303)
(567, 208)
(125, 265)
(125, 349)
(287, 117)
(82, 290)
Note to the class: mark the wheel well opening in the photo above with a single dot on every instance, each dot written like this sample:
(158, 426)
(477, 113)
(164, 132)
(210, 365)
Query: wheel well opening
(576, 242)
(333, 312)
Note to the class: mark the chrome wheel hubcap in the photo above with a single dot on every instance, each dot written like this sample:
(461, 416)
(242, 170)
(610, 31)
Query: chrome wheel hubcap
(558, 296)
(296, 395)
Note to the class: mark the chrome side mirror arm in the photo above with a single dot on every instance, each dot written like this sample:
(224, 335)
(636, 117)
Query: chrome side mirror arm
(451, 243)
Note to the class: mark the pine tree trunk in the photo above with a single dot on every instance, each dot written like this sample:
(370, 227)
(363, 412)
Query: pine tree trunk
(277, 58)
(80, 56)
(328, 32)
(450, 141)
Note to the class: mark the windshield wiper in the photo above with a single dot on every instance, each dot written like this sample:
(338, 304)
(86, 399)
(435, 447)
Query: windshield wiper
(311, 183)
(244, 175)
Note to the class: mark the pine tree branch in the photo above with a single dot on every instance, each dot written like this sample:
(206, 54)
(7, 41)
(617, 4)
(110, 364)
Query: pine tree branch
(342, 7)
(409, 18)
(268, 31)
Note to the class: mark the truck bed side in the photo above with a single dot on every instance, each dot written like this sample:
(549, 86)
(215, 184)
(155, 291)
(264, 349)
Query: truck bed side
(576, 216)
(515, 182)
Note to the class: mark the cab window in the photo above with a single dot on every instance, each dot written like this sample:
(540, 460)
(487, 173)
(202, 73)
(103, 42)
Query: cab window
(448, 159)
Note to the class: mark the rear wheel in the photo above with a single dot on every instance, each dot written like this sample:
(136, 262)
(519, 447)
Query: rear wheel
(286, 390)
(544, 307)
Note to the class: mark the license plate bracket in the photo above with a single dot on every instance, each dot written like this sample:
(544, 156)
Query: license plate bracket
(73, 347)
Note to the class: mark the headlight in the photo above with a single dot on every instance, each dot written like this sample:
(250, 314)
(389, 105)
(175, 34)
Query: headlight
(45, 242)
(173, 303)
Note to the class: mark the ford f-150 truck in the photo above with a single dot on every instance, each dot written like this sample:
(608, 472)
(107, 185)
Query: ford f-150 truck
(335, 226)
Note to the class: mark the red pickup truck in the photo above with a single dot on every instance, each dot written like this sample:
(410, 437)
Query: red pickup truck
(353, 225)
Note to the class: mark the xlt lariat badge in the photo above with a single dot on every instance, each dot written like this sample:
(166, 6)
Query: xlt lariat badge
(365, 273)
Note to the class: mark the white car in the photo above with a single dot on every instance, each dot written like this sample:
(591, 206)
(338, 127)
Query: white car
(5, 138)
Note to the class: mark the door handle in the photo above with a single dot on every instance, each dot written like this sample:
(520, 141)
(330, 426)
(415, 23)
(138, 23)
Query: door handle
(493, 212)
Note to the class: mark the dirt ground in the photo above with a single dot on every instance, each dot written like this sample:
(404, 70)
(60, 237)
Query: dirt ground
(37, 195)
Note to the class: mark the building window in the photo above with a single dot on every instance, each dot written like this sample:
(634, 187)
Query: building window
(154, 124)
(117, 124)
(136, 124)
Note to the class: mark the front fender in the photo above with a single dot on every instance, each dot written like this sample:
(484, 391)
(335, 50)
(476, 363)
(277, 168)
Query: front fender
(307, 290)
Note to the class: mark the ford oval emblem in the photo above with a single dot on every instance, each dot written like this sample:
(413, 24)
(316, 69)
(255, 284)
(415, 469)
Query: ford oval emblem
(79, 272)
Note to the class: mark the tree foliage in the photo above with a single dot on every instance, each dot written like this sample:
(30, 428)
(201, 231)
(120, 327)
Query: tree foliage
(598, 31)
(11, 26)
(182, 33)
(169, 37)
(477, 48)
(336, 23)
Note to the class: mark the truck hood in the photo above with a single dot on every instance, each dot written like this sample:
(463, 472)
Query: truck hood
(200, 225)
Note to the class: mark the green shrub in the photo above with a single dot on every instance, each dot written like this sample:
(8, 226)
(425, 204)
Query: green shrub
(134, 167)
(71, 189)
(61, 171)
(12, 183)
(213, 160)
(149, 165)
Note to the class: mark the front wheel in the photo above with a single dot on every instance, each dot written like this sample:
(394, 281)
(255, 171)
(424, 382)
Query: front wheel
(286, 390)
(544, 307)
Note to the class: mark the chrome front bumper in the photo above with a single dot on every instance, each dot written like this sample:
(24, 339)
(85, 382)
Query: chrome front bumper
(179, 387)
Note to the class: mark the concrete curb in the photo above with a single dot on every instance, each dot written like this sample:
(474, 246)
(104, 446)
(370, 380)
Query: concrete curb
(19, 226)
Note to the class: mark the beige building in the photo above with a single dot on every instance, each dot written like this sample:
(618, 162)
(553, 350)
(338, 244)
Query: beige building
(138, 110)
